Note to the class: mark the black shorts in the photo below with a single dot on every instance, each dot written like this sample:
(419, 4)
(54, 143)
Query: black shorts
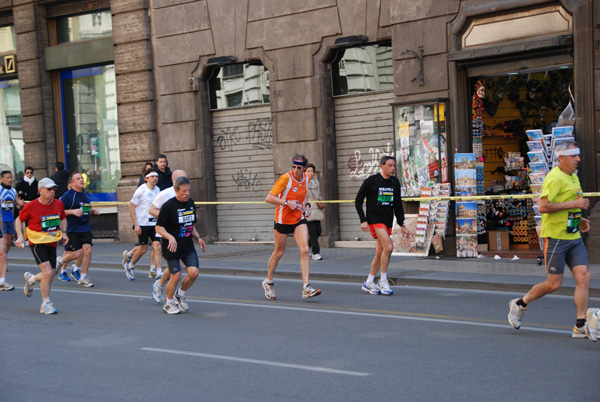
(77, 240)
(288, 229)
(147, 232)
(190, 260)
(43, 253)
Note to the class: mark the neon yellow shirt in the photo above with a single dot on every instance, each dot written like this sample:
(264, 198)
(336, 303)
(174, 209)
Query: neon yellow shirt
(560, 187)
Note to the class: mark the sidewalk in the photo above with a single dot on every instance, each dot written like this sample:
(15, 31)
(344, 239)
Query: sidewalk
(351, 265)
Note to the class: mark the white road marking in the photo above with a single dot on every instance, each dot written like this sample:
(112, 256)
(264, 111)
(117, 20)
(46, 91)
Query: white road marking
(255, 361)
(392, 314)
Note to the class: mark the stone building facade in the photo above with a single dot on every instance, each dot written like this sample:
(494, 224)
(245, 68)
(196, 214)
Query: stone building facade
(167, 53)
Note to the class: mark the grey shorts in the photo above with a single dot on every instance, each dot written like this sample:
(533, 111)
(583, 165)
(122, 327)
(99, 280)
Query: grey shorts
(557, 253)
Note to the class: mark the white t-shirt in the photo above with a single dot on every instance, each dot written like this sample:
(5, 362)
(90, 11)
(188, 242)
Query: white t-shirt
(163, 197)
(143, 198)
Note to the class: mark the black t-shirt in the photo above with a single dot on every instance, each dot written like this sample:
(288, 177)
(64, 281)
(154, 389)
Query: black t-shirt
(178, 219)
(383, 200)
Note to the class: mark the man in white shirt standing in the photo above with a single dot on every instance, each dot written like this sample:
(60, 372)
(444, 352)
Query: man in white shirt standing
(144, 224)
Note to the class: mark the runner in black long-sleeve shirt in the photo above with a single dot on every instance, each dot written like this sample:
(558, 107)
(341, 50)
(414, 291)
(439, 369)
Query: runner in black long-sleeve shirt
(382, 191)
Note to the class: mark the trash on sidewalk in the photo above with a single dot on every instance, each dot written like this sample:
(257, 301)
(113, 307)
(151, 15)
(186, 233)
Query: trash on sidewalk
(482, 256)
(515, 258)
(497, 257)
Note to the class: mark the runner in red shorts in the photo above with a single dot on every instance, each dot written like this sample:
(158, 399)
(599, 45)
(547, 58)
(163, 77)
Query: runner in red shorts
(382, 192)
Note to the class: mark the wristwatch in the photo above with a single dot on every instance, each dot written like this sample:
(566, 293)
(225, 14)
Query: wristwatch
(285, 203)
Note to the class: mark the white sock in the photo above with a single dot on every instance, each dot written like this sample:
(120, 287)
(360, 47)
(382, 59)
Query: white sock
(76, 268)
(2, 280)
(180, 292)
(152, 267)
(132, 266)
(62, 270)
(83, 276)
(370, 278)
(169, 301)
(383, 276)
(46, 300)
(32, 279)
(305, 285)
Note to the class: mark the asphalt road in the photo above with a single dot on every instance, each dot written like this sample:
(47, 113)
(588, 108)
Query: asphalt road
(113, 343)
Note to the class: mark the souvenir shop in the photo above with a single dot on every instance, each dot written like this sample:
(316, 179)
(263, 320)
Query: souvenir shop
(514, 127)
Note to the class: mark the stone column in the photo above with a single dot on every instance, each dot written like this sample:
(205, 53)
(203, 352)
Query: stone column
(135, 97)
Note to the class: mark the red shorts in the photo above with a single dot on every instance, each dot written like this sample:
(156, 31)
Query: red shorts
(378, 225)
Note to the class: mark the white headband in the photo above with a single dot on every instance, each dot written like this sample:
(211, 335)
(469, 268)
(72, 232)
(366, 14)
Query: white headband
(568, 152)
(151, 174)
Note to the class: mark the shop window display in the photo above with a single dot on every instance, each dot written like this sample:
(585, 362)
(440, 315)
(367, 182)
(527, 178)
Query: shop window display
(505, 109)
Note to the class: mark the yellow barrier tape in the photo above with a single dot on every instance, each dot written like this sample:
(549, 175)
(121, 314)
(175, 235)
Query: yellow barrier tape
(411, 199)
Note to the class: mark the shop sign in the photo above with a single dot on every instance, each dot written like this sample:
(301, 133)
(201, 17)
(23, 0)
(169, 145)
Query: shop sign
(8, 65)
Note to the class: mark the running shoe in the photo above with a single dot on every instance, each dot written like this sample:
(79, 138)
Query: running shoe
(578, 333)
(28, 289)
(384, 287)
(592, 324)
(181, 303)
(6, 286)
(157, 292)
(48, 308)
(515, 314)
(269, 290)
(152, 273)
(171, 308)
(85, 282)
(126, 258)
(316, 257)
(75, 274)
(59, 263)
(309, 292)
(370, 288)
(63, 276)
(159, 273)
(129, 272)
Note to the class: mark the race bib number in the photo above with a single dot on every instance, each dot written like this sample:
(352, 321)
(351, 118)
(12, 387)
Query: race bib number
(86, 208)
(186, 222)
(385, 196)
(50, 223)
(7, 205)
(573, 222)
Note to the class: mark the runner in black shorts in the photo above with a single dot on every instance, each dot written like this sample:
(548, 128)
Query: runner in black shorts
(78, 207)
(46, 220)
(176, 226)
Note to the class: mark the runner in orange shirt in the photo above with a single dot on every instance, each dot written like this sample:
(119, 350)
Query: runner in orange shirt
(289, 195)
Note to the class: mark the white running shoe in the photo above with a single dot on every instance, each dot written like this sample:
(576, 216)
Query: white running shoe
(269, 290)
(370, 288)
(126, 258)
(59, 263)
(181, 303)
(85, 282)
(158, 292)
(515, 314)
(592, 324)
(28, 289)
(152, 272)
(384, 287)
(316, 257)
(129, 272)
(159, 273)
(48, 308)
(171, 308)
(6, 286)
(309, 292)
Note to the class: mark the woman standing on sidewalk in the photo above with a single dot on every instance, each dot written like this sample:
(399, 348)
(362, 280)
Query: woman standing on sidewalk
(316, 212)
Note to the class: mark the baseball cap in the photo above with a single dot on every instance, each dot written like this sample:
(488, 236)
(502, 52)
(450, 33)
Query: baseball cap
(47, 182)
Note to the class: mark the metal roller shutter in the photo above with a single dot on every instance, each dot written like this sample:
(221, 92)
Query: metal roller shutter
(364, 133)
(243, 153)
